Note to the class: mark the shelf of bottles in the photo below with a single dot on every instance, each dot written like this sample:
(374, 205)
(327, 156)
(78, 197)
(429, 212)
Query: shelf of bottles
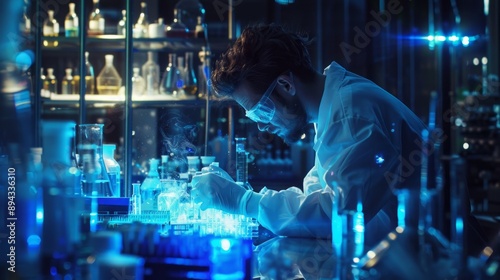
(184, 77)
(477, 119)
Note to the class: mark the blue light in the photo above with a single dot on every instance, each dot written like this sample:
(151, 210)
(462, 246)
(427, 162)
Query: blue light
(440, 38)
(379, 159)
(453, 38)
(225, 244)
(465, 41)
(34, 240)
(430, 38)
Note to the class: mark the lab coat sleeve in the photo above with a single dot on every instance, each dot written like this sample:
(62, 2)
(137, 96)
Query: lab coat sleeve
(311, 181)
(292, 213)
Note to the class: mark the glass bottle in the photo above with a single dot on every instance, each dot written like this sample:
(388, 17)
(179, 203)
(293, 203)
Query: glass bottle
(96, 21)
(25, 23)
(150, 188)
(51, 81)
(50, 29)
(89, 76)
(142, 25)
(113, 168)
(151, 73)
(177, 29)
(190, 85)
(108, 81)
(95, 179)
(71, 22)
(68, 83)
(171, 77)
(135, 200)
(44, 92)
(241, 163)
(199, 30)
(122, 24)
(138, 83)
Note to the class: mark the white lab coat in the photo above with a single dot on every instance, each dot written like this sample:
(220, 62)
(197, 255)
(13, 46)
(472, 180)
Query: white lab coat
(362, 134)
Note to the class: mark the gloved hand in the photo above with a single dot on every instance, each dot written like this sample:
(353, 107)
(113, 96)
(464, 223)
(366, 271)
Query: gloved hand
(215, 191)
(217, 170)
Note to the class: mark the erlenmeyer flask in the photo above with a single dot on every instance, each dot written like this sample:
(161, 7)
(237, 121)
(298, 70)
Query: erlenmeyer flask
(109, 81)
(171, 77)
(90, 160)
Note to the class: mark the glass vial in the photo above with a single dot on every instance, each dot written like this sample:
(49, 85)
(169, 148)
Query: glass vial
(177, 29)
(142, 25)
(138, 83)
(199, 30)
(96, 21)
(25, 22)
(68, 83)
(71, 22)
(171, 77)
(122, 24)
(89, 76)
(50, 83)
(135, 200)
(113, 168)
(50, 29)
(150, 188)
(108, 81)
(190, 85)
(241, 162)
(151, 73)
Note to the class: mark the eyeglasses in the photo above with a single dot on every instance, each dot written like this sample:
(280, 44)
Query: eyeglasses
(263, 111)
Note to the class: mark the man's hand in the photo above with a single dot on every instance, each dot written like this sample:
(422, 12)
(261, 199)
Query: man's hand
(215, 191)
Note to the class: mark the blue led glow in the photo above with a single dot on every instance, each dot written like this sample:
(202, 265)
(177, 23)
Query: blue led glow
(379, 159)
(225, 244)
(33, 240)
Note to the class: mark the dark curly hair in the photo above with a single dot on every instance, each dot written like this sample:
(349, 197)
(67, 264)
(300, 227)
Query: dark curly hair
(258, 56)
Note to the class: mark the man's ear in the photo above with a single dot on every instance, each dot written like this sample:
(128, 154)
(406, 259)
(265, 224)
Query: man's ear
(286, 84)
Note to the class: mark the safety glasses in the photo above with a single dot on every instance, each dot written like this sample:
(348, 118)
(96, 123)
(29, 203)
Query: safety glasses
(263, 111)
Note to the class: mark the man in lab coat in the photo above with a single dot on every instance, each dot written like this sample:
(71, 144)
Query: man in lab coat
(367, 142)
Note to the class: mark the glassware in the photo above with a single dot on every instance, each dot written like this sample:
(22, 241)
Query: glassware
(89, 76)
(142, 25)
(68, 83)
(122, 24)
(44, 92)
(190, 85)
(25, 23)
(189, 11)
(151, 73)
(113, 168)
(90, 160)
(109, 81)
(96, 21)
(150, 188)
(50, 29)
(241, 163)
(138, 83)
(71, 22)
(135, 200)
(50, 83)
(171, 77)
(199, 30)
(177, 29)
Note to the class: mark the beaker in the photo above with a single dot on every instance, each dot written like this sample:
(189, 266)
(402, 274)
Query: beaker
(90, 160)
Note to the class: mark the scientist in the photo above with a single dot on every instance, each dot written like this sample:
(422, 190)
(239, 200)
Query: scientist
(363, 136)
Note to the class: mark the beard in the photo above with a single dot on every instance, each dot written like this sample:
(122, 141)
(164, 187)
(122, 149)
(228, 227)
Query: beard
(297, 124)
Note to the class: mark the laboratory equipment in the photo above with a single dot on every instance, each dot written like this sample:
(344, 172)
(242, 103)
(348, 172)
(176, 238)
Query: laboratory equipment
(96, 21)
(141, 27)
(193, 164)
(68, 83)
(199, 30)
(189, 12)
(136, 200)
(151, 73)
(138, 84)
(113, 168)
(89, 76)
(190, 85)
(61, 208)
(90, 160)
(164, 167)
(242, 163)
(171, 81)
(122, 24)
(109, 81)
(151, 187)
(71, 22)
(177, 29)
(50, 29)
(50, 83)
(207, 160)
